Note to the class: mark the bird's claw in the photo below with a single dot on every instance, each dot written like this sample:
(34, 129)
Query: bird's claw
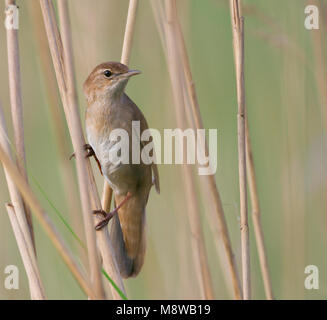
(102, 223)
(102, 212)
(89, 152)
(106, 218)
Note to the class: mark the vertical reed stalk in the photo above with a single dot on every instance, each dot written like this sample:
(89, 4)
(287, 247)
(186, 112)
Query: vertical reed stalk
(36, 288)
(29, 258)
(129, 32)
(125, 56)
(58, 127)
(175, 71)
(45, 221)
(126, 52)
(209, 181)
(88, 193)
(106, 249)
(256, 215)
(17, 112)
(78, 143)
(217, 218)
(238, 41)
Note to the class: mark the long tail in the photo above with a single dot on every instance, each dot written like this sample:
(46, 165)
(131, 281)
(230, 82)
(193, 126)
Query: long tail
(128, 237)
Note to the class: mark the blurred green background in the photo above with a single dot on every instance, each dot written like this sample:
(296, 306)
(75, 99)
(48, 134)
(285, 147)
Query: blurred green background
(287, 125)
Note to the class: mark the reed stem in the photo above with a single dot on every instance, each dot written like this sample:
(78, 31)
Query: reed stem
(256, 216)
(198, 245)
(36, 287)
(238, 41)
(45, 222)
(17, 112)
(87, 191)
(58, 126)
(125, 57)
(24, 244)
(78, 143)
(217, 218)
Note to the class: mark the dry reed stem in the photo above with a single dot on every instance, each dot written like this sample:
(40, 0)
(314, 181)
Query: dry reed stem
(126, 52)
(45, 222)
(73, 122)
(129, 32)
(105, 246)
(238, 41)
(125, 57)
(218, 218)
(198, 245)
(17, 112)
(256, 212)
(104, 242)
(78, 143)
(36, 288)
(256, 216)
(209, 181)
(14, 194)
(210, 209)
(158, 12)
(106, 197)
(58, 127)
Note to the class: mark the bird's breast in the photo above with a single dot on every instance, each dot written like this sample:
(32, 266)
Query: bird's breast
(109, 148)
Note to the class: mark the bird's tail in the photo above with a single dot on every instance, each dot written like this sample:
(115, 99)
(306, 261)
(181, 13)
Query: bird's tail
(128, 237)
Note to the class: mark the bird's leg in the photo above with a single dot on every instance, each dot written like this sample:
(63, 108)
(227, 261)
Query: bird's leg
(108, 216)
(89, 153)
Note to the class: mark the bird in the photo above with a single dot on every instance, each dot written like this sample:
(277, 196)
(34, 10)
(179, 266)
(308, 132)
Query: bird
(109, 108)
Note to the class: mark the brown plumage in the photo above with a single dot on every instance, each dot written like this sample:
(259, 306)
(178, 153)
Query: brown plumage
(110, 108)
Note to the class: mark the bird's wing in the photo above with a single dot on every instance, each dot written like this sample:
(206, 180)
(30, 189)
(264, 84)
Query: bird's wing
(155, 172)
(143, 126)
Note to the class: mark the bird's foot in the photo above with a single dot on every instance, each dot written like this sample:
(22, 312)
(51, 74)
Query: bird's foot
(107, 216)
(89, 152)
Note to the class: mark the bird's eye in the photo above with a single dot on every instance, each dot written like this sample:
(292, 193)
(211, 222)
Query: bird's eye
(107, 73)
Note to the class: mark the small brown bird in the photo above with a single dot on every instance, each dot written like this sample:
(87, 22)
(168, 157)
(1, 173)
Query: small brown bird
(109, 108)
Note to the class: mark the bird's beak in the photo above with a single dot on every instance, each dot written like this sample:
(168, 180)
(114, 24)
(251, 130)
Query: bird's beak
(128, 74)
(131, 73)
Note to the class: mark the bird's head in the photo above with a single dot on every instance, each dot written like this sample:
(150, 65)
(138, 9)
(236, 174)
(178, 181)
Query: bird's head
(107, 79)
